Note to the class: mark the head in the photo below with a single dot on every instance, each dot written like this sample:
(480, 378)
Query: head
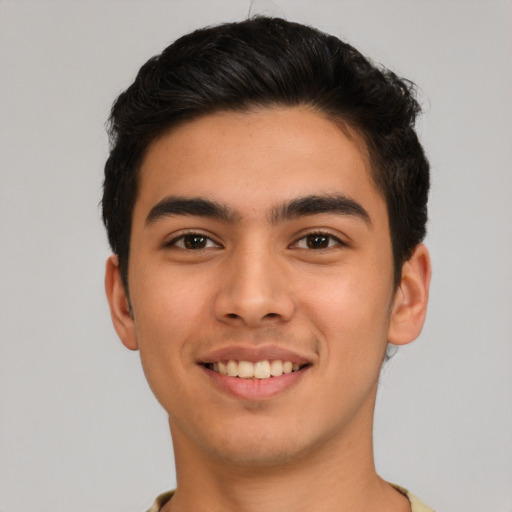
(265, 63)
(265, 195)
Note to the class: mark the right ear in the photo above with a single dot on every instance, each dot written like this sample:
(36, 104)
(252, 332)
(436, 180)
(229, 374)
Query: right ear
(120, 310)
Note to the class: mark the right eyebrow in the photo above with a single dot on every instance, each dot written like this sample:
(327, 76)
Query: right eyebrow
(172, 206)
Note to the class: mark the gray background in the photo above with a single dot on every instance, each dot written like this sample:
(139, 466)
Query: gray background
(79, 428)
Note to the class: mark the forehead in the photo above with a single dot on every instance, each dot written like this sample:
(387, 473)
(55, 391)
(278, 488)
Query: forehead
(253, 160)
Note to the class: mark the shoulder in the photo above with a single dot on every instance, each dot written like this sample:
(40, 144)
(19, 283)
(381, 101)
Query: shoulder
(161, 500)
(416, 504)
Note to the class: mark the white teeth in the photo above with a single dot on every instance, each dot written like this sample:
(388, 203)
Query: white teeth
(222, 368)
(258, 370)
(232, 368)
(245, 370)
(276, 368)
(262, 370)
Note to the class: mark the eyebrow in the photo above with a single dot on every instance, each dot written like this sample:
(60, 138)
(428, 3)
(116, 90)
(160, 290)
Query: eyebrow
(190, 206)
(318, 204)
(300, 207)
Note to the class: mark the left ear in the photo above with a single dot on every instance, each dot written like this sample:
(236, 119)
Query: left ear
(410, 303)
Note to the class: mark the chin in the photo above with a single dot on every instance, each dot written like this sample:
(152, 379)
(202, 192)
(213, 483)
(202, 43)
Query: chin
(262, 453)
(257, 446)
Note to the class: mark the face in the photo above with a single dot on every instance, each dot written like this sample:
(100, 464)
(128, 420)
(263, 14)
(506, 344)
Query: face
(261, 285)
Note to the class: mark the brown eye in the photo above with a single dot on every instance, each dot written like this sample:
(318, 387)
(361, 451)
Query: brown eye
(318, 241)
(193, 242)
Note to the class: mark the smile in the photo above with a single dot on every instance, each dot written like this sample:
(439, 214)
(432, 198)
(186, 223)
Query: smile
(258, 370)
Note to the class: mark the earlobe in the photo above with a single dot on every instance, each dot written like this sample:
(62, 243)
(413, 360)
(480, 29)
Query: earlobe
(120, 310)
(411, 298)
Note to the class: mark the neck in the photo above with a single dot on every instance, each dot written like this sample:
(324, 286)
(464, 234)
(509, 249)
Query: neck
(337, 475)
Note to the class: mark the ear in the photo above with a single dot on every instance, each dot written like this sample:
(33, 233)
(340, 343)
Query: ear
(120, 310)
(410, 303)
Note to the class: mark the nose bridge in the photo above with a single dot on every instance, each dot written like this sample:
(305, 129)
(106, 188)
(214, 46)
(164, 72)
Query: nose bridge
(254, 290)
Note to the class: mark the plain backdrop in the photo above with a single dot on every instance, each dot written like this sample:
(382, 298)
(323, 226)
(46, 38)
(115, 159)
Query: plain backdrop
(79, 428)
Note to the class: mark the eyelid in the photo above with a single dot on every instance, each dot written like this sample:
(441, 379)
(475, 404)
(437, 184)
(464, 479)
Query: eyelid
(175, 237)
(322, 232)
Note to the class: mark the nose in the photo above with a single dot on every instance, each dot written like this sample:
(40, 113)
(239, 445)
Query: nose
(253, 291)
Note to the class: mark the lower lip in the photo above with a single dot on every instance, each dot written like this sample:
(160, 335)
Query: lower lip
(255, 389)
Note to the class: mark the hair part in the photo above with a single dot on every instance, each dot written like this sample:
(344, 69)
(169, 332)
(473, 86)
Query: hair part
(261, 63)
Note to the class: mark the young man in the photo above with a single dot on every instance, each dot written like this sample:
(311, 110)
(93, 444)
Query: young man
(265, 198)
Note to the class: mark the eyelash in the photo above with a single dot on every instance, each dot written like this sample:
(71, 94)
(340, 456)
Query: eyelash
(175, 242)
(319, 234)
(192, 234)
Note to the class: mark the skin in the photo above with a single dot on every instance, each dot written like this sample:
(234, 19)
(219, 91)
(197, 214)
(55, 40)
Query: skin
(318, 285)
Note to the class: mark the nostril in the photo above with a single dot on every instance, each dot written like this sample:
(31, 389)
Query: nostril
(232, 315)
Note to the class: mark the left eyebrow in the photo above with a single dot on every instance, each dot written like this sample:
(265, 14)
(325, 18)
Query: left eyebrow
(318, 204)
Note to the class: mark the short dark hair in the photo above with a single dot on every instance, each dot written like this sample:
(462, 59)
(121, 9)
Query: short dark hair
(265, 62)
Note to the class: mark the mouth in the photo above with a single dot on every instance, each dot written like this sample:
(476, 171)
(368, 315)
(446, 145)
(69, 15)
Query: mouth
(259, 370)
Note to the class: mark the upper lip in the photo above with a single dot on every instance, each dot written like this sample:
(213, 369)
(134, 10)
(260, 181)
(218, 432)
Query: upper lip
(253, 354)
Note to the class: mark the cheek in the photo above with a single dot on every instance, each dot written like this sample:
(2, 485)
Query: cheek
(168, 311)
(169, 303)
(350, 310)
